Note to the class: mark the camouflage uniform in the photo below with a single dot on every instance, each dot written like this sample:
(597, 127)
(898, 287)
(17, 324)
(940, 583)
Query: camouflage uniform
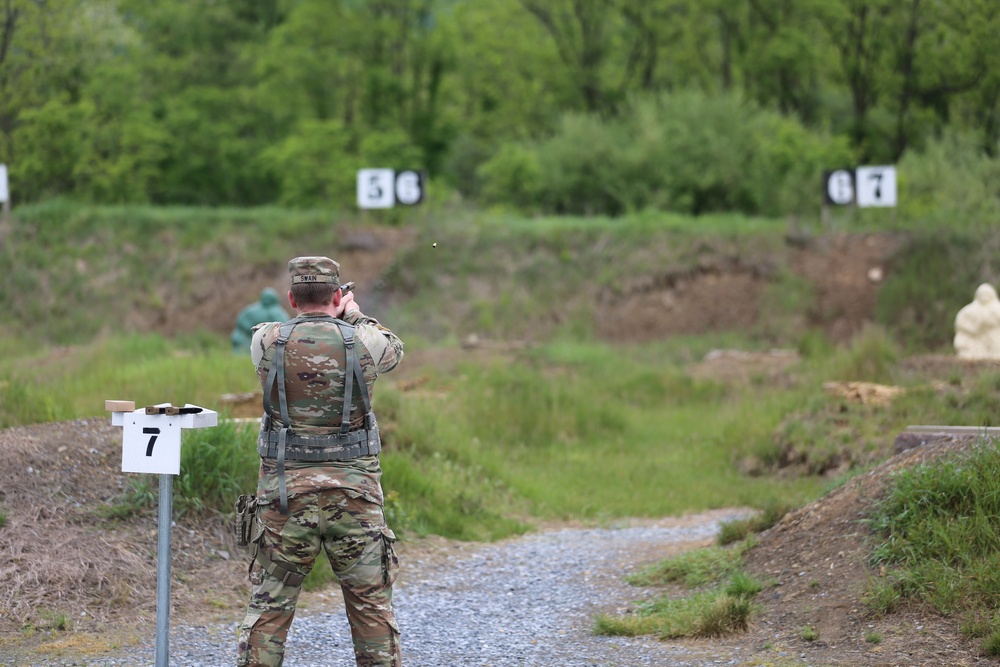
(333, 504)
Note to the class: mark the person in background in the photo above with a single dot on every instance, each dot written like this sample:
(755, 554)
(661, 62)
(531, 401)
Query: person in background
(267, 309)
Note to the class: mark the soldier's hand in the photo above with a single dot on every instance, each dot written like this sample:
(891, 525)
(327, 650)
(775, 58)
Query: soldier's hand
(347, 304)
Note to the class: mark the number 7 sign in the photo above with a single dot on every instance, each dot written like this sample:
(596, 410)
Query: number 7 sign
(151, 443)
(876, 186)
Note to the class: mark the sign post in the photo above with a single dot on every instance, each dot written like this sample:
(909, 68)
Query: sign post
(151, 443)
(864, 187)
(838, 190)
(4, 195)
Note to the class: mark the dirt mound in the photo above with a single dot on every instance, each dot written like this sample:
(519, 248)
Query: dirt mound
(364, 253)
(67, 562)
(727, 293)
(818, 557)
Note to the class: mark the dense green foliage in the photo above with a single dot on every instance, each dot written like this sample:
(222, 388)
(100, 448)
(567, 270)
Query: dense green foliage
(595, 106)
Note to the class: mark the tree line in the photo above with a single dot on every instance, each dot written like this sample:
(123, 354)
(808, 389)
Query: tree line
(598, 106)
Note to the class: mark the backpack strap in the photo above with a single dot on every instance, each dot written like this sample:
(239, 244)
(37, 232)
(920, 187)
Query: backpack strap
(276, 375)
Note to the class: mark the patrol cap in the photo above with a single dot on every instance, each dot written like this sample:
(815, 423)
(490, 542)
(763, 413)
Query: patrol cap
(314, 270)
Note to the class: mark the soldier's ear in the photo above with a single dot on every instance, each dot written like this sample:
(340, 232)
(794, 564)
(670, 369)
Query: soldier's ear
(291, 300)
(337, 296)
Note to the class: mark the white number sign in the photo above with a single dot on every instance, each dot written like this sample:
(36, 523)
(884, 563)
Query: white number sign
(409, 188)
(4, 192)
(876, 186)
(840, 187)
(151, 443)
(376, 188)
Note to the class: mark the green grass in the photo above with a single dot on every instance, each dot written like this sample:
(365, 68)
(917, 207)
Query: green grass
(693, 568)
(40, 383)
(939, 536)
(740, 529)
(570, 430)
(722, 605)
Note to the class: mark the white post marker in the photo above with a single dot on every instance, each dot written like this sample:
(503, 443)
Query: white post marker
(875, 186)
(151, 443)
(4, 190)
(4, 194)
(376, 188)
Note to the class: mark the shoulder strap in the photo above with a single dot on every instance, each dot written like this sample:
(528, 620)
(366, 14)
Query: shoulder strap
(352, 372)
(276, 375)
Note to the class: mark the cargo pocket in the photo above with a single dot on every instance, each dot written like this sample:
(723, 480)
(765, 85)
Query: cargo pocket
(243, 647)
(255, 573)
(390, 563)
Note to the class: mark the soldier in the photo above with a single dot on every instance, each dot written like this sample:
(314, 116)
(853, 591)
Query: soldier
(319, 470)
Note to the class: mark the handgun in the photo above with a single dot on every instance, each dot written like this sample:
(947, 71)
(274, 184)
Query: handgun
(347, 287)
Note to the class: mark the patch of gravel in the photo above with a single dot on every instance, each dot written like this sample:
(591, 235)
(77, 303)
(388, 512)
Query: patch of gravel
(524, 601)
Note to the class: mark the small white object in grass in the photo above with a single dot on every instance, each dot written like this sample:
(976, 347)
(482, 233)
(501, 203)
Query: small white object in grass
(434, 245)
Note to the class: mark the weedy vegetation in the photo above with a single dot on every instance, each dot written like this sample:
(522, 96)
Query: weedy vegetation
(719, 598)
(939, 539)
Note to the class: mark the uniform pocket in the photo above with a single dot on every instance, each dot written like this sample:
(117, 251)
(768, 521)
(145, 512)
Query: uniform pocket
(390, 563)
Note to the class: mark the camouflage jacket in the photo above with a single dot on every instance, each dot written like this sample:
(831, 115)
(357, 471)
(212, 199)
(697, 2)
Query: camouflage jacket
(315, 360)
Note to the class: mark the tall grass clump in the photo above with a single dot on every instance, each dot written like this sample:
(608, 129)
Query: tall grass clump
(938, 526)
(24, 403)
(693, 568)
(739, 529)
(872, 357)
(217, 465)
(722, 609)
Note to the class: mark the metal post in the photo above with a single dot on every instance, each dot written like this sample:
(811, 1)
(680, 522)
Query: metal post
(163, 572)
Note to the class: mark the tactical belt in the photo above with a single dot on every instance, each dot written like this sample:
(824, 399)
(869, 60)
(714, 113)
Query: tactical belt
(275, 444)
(336, 447)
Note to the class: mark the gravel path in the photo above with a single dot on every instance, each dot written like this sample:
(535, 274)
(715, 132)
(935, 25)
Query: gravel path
(525, 601)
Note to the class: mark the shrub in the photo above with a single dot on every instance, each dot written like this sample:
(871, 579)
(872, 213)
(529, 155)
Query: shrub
(687, 152)
(951, 182)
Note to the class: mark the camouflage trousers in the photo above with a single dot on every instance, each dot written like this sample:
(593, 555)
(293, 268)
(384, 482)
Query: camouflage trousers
(353, 533)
